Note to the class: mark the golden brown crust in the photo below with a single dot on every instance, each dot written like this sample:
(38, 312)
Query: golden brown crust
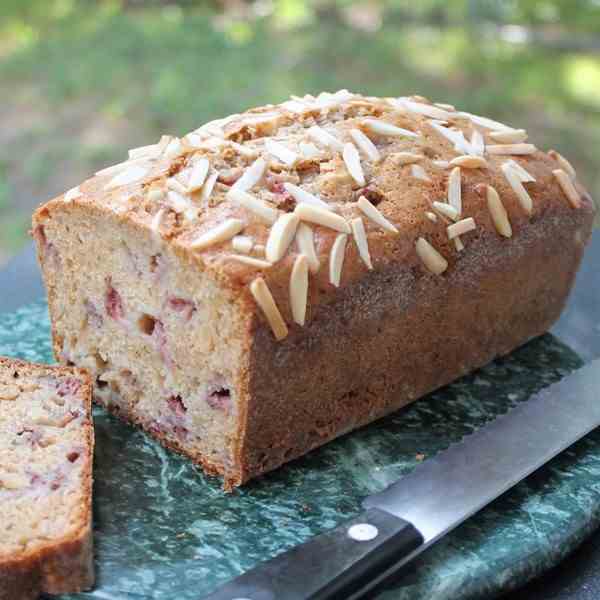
(64, 565)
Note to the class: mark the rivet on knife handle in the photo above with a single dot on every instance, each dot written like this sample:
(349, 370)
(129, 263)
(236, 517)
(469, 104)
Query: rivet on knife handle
(330, 566)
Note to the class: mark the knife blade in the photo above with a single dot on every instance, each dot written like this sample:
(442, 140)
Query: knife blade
(411, 514)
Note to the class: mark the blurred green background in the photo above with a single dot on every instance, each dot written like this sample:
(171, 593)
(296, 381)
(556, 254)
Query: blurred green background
(83, 81)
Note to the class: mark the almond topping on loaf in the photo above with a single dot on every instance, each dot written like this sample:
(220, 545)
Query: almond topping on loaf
(520, 171)
(301, 195)
(477, 143)
(336, 259)
(498, 212)
(130, 175)
(386, 129)
(568, 188)
(365, 145)
(460, 227)
(407, 158)
(72, 194)
(220, 233)
(446, 210)
(454, 190)
(371, 211)
(360, 237)
(514, 179)
(509, 136)
(352, 160)
(322, 137)
(242, 243)
(198, 175)
(469, 161)
(256, 263)
(255, 205)
(253, 174)
(264, 299)
(299, 289)
(305, 240)
(564, 164)
(419, 172)
(320, 216)
(511, 149)
(281, 236)
(431, 258)
(281, 152)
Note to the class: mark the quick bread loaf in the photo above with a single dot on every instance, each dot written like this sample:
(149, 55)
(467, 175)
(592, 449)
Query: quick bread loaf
(280, 277)
(46, 444)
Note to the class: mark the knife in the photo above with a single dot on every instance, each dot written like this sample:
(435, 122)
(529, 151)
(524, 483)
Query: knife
(400, 522)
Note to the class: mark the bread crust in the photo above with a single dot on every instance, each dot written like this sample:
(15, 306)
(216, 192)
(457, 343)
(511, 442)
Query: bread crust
(360, 339)
(64, 565)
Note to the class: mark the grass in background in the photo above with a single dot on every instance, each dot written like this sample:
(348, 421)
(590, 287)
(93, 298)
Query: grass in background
(92, 79)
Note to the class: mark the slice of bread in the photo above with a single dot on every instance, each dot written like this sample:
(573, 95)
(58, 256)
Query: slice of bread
(46, 449)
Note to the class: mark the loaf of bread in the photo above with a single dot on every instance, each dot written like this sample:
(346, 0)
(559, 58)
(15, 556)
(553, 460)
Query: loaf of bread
(280, 277)
(46, 445)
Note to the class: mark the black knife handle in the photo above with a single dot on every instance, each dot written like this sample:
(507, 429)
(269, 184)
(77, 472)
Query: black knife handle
(330, 566)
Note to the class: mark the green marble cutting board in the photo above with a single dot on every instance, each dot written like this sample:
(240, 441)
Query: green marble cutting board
(163, 530)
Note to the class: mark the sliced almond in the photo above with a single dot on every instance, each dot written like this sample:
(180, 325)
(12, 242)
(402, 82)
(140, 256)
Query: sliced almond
(522, 174)
(387, 129)
(427, 110)
(320, 216)
(564, 164)
(477, 143)
(156, 221)
(458, 244)
(305, 239)
(566, 183)
(208, 187)
(336, 259)
(419, 172)
(300, 195)
(454, 189)
(130, 175)
(309, 150)
(460, 227)
(509, 136)
(257, 263)
(220, 233)
(405, 158)
(446, 210)
(431, 216)
(515, 183)
(178, 202)
(281, 152)
(198, 175)
(242, 243)
(324, 138)
(72, 194)
(360, 237)
(365, 145)
(280, 237)
(265, 301)
(299, 289)
(252, 175)
(255, 205)
(511, 149)
(375, 215)
(469, 161)
(174, 184)
(431, 258)
(150, 151)
(485, 122)
(498, 212)
(352, 161)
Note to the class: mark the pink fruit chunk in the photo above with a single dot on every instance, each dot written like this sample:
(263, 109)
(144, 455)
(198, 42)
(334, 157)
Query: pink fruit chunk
(183, 306)
(93, 315)
(68, 387)
(159, 336)
(219, 399)
(113, 303)
(176, 405)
